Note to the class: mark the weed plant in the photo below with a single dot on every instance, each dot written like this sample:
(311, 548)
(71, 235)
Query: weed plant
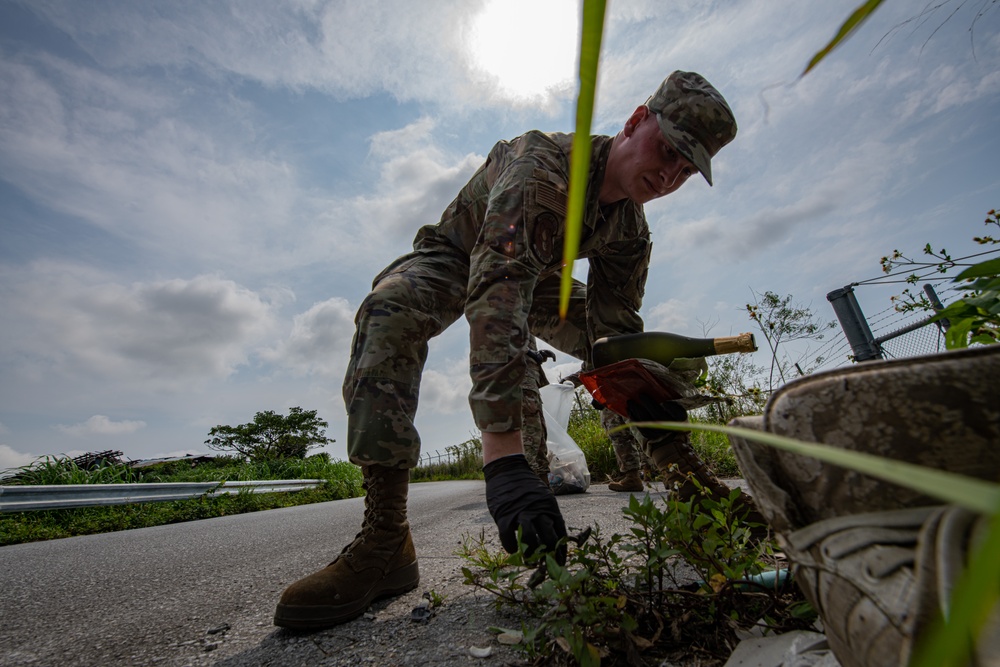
(65, 470)
(677, 586)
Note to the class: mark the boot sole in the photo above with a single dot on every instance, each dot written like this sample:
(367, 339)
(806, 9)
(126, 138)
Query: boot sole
(621, 488)
(318, 617)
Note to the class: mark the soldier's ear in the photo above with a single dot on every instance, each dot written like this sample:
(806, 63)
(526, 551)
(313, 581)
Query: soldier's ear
(637, 117)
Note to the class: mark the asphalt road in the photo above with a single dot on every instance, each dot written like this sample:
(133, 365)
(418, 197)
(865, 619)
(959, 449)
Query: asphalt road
(203, 592)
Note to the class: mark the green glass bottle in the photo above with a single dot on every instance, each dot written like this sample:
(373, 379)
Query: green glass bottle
(663, 347)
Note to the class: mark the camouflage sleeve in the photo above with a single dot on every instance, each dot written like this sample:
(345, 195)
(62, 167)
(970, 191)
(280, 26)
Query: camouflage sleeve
(615, 287)
(502, 277)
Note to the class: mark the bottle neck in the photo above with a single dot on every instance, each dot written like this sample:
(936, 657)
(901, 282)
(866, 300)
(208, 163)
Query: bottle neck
(744, 342)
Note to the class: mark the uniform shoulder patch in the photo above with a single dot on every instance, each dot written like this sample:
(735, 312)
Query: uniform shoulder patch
(545, 217)
(551, 197)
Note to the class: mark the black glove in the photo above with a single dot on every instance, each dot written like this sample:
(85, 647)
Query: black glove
(518, 498)
(645, 409)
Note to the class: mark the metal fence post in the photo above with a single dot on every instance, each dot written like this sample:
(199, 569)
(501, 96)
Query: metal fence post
(854, 324)
(937, 305)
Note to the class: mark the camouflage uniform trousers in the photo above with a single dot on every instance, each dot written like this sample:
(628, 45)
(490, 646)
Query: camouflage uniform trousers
(628, 452)
(416, 298)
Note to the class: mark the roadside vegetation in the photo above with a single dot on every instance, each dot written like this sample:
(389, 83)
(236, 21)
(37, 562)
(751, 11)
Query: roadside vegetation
(462, 461)
(341, 480)
(681, 586)
(586, 430)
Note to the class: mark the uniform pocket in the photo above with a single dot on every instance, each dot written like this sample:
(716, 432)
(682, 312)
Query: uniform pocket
(399, 265)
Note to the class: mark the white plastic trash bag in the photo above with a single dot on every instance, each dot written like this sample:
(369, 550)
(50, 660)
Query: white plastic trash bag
(568, 472)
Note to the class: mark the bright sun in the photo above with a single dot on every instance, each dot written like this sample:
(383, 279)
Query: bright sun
(529, 45)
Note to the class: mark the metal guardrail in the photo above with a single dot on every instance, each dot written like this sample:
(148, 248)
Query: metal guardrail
(63, 496)
(267, 486)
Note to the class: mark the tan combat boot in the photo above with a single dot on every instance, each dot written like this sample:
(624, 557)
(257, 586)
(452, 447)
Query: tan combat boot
(379, 563)
(632, 481)
(680, 465)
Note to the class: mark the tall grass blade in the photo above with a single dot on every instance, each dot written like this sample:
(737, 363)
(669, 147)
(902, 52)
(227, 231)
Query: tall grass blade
(975, 596)
(853, 22)
(968, 492)
(590, 52)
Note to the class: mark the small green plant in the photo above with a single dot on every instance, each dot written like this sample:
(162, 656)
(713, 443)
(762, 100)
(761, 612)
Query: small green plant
(435, 598)
(737, 380)
(679, 582)
(973, 318)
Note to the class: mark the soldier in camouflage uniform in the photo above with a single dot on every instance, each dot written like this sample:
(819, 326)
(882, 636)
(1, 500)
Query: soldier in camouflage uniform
(495, 257)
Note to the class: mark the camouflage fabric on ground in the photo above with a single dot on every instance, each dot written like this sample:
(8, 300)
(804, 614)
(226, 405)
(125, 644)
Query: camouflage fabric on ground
(877, 560)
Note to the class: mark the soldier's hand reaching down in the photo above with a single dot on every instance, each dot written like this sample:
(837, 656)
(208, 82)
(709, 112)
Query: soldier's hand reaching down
(516, 497)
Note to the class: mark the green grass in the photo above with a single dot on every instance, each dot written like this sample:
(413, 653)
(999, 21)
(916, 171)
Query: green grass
(64, 470)
(466, 462)
(342, 480)
(715, 450)
(585, 428)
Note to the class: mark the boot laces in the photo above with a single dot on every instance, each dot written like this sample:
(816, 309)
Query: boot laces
(368, 524)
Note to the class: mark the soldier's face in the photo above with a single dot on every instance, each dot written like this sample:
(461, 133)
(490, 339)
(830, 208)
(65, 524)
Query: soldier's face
(651, 167)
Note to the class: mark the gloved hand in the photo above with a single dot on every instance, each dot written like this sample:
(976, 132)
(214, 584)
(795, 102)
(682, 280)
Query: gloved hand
(645, 409)
(516, 498)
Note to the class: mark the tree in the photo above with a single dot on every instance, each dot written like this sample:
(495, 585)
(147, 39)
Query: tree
(736, 378)
(271, 436)
(781, 321)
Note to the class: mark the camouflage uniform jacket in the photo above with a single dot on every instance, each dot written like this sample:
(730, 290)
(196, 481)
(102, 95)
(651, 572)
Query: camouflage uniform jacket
(508, 221)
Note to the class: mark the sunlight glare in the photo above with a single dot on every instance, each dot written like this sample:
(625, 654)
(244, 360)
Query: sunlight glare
(530, 46)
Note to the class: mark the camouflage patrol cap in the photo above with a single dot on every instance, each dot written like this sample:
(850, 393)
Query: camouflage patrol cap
(693, 117)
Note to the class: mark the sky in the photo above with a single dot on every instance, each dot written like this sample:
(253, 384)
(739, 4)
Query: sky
(194, 197)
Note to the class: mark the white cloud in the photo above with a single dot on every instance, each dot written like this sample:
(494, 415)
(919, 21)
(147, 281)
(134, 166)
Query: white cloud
(78, 322)
(413, 51)
(11, 458)
(527, 74)
(446, 392)
(140, 166)
(445, 388)
(102, 425)
(417, 181)
(319, 342)
(670, 315)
